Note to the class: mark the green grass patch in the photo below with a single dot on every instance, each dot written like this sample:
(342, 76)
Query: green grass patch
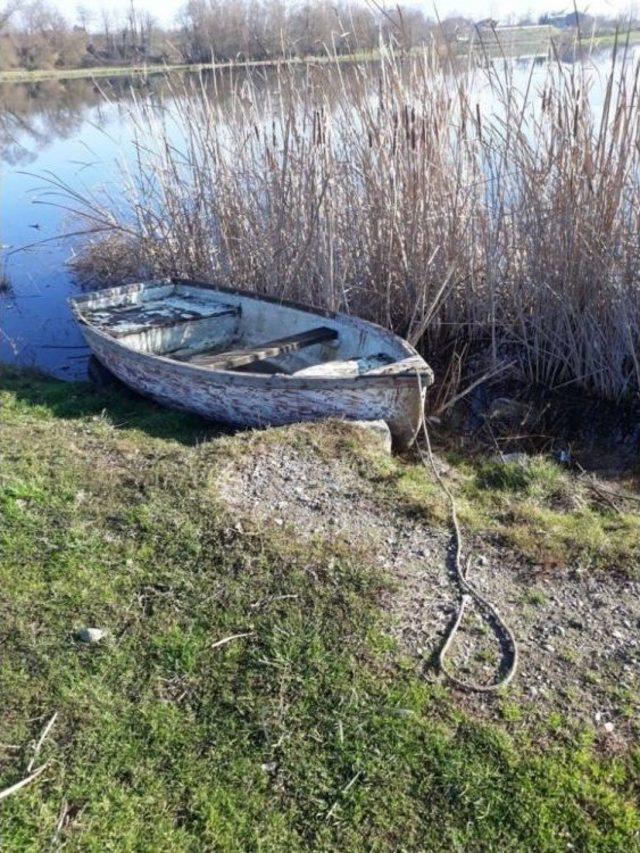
(537, 508)
(310, 733)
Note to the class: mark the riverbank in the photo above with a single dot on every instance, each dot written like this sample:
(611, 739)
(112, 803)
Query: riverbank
(255, 683)
(24, 76)
(514, 42)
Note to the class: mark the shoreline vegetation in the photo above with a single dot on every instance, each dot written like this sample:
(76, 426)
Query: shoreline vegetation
(493, 48)
(493, 227)
(38, 42)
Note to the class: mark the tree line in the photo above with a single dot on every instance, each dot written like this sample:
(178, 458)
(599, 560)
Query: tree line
(35, 35)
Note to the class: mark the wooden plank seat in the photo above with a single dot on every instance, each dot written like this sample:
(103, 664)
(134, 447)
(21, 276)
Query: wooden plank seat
(344, 368)
(155, 314)
(241, 357)
(370, 365)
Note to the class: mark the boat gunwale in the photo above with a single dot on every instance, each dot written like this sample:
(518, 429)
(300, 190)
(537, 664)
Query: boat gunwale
(425, 376)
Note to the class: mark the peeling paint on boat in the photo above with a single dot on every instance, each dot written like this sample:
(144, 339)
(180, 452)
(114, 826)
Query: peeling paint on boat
(139, 357)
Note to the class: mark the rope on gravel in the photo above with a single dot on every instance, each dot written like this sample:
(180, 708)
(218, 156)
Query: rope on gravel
(469, 593)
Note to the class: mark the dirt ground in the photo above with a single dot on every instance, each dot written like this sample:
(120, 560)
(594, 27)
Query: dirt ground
(577, 630)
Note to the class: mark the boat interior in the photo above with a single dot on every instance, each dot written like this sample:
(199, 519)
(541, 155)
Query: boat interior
(230, 331)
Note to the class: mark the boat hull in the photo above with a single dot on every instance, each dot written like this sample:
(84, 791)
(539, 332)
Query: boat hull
(250, 400)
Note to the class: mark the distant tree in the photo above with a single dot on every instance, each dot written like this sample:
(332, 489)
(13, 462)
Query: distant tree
(8, 53)
(43, 38)
(258, 29)
(456, 27)
(107, 35)
(222, 29)
(85, 16)
(7, 10)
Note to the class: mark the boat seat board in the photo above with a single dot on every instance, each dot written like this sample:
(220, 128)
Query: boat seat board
(368, 365)
(133, 319)
(239, 358)
(355, 366)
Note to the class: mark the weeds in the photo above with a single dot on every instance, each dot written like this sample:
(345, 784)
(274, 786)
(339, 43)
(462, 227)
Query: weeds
(442, 202)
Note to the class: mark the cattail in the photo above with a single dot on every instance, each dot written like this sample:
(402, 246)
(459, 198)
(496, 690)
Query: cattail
(365, 188)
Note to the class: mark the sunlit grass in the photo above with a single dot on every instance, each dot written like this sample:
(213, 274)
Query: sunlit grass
(310, 733)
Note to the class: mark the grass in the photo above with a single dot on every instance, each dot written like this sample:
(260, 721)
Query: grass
(600, 42)
(311, 733)
(538, 509)
(23, 75)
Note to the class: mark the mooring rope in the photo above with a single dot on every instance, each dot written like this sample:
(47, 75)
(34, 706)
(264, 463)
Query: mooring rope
(469, 593)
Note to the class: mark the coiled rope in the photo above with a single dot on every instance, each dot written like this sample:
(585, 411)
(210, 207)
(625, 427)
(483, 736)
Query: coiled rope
(469, 593)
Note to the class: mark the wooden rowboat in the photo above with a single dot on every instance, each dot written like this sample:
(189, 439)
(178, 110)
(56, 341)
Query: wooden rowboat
(251, 360)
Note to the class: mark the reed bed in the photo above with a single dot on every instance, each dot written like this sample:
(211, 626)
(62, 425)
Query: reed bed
(448, 203)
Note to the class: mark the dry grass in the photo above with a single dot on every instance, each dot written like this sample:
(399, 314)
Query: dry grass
(446, 203)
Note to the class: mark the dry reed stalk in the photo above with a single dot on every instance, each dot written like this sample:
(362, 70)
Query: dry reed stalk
(368, 187)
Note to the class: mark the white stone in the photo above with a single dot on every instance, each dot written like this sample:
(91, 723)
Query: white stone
(378, 430)
(90, 635)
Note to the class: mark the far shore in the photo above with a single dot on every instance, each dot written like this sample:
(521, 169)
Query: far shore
(24, 76)
(516, 48)
(21, 75)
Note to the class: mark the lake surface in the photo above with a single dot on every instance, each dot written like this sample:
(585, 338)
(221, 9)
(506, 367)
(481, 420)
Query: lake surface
(74, 131)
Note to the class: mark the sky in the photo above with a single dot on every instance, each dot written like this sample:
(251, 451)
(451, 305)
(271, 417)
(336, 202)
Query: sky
(165, 10)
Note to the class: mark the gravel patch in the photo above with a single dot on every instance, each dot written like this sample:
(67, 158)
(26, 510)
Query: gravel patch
(577, 630)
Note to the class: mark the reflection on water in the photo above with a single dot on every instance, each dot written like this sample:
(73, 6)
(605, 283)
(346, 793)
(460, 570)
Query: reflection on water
(33, 115)
(76, 130)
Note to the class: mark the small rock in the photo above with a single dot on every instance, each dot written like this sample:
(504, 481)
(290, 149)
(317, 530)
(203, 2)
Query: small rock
(608, 727)
(90, 635)
(269, 767)
(378, 431)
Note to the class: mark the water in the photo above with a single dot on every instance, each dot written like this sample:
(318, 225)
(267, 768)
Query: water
(70, 131)
(74, 131)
